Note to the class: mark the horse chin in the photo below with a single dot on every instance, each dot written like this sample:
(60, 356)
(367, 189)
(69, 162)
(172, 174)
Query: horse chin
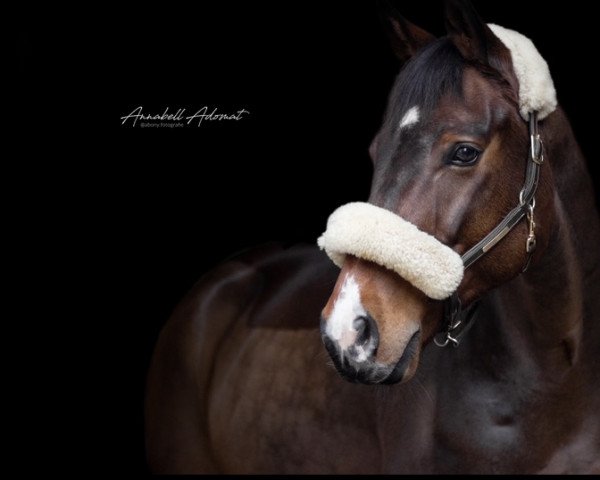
(407, 365)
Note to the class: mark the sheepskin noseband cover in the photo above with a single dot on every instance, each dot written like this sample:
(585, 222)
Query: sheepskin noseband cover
(375, 234)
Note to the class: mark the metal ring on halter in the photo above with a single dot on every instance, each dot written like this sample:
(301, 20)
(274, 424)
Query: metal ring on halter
(521, 202)
(449, 338)
(452, 339)
(454, 321)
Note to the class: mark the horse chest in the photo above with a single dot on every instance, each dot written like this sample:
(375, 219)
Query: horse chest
(482, 428)
(275, 407)
(508, 426)
(432, 430)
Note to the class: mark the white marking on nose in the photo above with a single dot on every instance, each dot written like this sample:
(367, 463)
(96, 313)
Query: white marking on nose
(347, 307)
(410, 117)
(361, 353)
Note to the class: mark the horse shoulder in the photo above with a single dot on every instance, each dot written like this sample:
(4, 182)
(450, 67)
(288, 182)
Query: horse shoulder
(176, 440)
(252, 290)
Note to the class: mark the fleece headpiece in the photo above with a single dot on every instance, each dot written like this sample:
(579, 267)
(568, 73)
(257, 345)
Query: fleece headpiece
(378, 235)
(536, 88)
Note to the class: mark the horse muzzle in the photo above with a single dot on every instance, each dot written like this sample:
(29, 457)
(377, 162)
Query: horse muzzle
(382, 305)
(356, 361)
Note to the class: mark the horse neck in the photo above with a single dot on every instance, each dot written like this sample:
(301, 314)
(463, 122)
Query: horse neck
(546, 317)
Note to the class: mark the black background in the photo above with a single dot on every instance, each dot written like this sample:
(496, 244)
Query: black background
(144, 212)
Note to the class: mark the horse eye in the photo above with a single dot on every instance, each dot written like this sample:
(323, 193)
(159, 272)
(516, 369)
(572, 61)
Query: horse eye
(465, 155)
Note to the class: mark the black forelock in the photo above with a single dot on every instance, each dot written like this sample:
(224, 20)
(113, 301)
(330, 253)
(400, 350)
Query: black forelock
(433, 72)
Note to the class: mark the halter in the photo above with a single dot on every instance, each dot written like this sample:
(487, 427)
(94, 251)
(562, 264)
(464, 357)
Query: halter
(367, 231)
(457, 321)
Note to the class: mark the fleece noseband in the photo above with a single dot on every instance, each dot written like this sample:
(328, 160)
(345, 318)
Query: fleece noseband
(373, 233)
(381, 236)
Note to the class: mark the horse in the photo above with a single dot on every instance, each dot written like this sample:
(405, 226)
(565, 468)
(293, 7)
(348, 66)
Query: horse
(240, 381)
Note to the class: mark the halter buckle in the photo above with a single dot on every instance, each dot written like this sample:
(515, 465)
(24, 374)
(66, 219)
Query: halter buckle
(537, 149)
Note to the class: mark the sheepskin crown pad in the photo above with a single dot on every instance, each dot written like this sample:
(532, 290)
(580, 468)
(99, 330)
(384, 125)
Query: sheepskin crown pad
(536, 88)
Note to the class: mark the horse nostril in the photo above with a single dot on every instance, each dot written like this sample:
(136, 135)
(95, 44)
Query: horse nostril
(361, 325)
(366, 332)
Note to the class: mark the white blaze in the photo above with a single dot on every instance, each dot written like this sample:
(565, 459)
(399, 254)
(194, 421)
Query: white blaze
(410, 117)
(347, 307)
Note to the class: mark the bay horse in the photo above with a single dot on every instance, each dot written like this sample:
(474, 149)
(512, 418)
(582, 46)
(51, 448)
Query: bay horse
(240, 381)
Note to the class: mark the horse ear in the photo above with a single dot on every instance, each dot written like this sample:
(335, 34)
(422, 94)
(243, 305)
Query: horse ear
(476, 41)
(406, 38)
(467, 31)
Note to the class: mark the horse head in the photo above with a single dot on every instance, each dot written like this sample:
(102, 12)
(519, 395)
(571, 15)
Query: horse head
(450, 159)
